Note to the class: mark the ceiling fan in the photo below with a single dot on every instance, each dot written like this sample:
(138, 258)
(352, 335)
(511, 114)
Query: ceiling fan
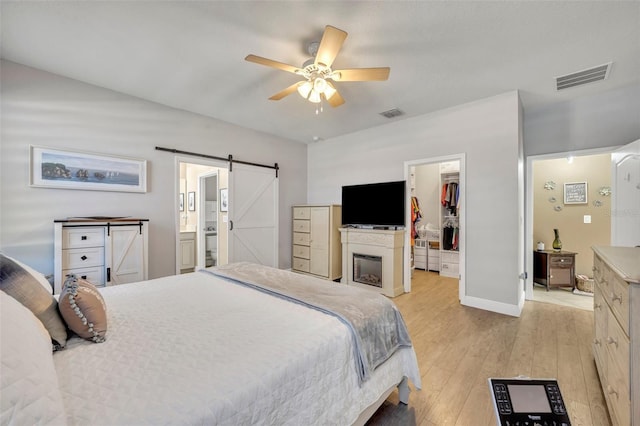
(317, 73)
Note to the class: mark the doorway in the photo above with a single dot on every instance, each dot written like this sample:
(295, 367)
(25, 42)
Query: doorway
(580, 223)
(441, 226)
(201, 231)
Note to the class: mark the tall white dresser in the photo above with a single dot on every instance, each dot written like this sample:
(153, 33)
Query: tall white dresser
(102, 251)
(616, 345)
(317, 249)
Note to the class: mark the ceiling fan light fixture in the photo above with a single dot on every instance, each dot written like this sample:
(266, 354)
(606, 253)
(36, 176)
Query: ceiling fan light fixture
(329, 92)
(320, 85)
(314, 97)
(304, 89)
(335, 76)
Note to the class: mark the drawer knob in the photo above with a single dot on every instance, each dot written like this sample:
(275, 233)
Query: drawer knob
(83, 238)
(597, 342)
(597, 306)
(614, 298)
(83, 257)
(611, 391)
(611, 340)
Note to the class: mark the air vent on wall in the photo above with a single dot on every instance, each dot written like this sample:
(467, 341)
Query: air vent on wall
(579, 78)
(395, 112)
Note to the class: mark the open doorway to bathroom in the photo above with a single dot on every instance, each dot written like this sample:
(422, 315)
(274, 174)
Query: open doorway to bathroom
(202, 232)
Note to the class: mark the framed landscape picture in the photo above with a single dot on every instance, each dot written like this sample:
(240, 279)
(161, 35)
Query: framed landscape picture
(71, 169)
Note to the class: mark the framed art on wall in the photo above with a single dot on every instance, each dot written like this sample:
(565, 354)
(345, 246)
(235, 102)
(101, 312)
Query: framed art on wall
(181, 200)
(575, 193)
(224, 200)
(71, 169)
(192, 201)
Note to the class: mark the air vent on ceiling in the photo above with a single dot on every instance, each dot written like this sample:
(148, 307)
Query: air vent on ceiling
(579, 78)
(395, 112)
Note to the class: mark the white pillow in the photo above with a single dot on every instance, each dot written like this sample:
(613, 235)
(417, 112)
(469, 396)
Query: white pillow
(37, 275)
(28, 379)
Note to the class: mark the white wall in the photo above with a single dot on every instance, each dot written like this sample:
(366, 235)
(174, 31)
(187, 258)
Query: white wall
(489, 133)
(40, 108)
(606, 119)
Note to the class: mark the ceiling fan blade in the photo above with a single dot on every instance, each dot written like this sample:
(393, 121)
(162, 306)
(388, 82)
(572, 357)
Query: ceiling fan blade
(364, 74)
(270, 63)
(330, 45)
(286, 92)
(336, 99)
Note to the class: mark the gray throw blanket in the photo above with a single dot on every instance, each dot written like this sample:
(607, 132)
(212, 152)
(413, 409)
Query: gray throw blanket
(375, 324)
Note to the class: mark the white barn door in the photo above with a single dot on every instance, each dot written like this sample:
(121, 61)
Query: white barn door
(253, 215)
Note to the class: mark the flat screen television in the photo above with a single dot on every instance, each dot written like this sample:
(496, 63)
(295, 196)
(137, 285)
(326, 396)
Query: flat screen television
(375, 204)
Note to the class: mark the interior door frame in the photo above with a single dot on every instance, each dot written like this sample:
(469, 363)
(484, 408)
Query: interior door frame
(462, 218)
(176, 207)
(528, 240)
(202, 236)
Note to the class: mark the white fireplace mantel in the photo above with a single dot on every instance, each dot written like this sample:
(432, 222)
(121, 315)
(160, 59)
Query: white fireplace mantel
(387, 244)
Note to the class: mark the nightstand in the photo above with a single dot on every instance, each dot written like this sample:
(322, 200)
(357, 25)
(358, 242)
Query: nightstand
(554, 268)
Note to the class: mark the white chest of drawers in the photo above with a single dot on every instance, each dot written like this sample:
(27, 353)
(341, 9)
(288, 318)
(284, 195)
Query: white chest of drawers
(616, 345)
(316, 241)
(102, 252)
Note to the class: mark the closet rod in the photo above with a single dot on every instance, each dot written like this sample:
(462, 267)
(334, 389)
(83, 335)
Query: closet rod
(229, 159)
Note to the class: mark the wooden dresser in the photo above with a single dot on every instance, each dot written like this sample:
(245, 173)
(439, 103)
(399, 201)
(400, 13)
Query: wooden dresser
(316, 240)
(616, 346)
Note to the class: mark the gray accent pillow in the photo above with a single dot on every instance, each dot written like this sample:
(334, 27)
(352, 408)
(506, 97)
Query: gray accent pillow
(22, 286)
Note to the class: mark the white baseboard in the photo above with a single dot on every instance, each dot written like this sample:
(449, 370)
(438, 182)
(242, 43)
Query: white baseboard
(493, 306)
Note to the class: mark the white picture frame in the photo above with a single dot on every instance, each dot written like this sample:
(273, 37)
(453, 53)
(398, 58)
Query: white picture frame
(73, 169)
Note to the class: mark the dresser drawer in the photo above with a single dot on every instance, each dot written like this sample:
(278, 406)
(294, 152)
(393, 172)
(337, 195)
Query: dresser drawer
(617, 392)
(600, 316)
(560, 261)
(617, 345)
(449, 269)
(82, 237)
(82, 257)
(300, 264)
(301, 226)
(449, 257)
(302, 213)
(301, 251)
(94, 275)
(301, 239)
(619, 300)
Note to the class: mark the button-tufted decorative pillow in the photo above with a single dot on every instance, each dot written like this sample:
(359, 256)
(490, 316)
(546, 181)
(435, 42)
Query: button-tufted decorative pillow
(26, 289)
(83, 309)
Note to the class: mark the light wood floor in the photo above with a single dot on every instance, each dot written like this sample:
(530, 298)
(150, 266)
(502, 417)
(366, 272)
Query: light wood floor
(459, 348)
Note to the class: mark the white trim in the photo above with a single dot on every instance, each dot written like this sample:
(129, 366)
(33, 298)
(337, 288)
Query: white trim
(176, 189)
(493, 306)
(462, 289)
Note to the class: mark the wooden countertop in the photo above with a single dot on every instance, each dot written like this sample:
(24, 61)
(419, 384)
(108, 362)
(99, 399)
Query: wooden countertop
(625, 261)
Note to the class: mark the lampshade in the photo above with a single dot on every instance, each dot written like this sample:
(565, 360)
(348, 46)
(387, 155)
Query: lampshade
(304, 89)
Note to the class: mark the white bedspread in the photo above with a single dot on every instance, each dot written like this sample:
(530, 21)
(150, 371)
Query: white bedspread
(195, 349)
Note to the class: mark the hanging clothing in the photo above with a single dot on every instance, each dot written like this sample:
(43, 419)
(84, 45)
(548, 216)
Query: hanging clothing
(416, 215)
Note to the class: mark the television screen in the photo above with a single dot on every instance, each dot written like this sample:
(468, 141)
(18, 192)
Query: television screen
(375, 204)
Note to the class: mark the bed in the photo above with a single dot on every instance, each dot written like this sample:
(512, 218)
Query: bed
(211, 347)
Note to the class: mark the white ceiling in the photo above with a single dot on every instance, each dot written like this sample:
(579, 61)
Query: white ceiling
(190, 54)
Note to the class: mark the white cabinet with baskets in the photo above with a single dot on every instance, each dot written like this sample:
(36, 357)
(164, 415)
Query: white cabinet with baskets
(420, 254)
